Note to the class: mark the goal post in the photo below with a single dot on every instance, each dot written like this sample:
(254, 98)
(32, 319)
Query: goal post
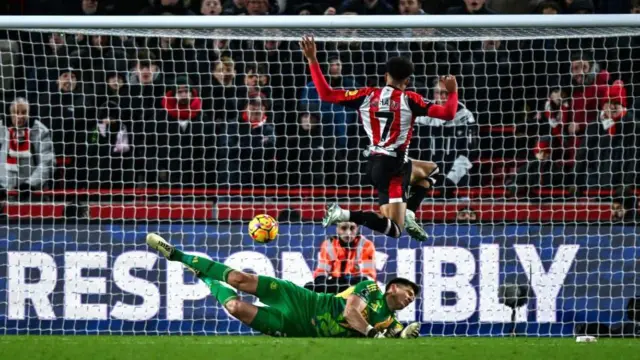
(319, 22)
(190, 126)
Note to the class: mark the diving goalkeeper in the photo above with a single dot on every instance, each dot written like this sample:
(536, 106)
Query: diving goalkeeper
(293, 311)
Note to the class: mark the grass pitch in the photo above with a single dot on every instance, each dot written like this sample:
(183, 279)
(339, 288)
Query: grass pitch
(266, 348)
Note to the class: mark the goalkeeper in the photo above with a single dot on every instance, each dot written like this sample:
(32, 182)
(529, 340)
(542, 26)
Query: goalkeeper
(293, 311)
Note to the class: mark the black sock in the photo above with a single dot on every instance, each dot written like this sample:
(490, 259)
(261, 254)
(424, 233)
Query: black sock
(375, 222)
(417, 195)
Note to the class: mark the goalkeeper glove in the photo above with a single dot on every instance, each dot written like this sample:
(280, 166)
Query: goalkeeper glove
(375, 333)
(411, 331)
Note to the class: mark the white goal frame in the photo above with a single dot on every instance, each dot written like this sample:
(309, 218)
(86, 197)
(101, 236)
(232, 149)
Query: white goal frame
(384, 28)
(318, 21)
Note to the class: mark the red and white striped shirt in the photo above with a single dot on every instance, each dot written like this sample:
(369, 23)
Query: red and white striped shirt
(387, 114)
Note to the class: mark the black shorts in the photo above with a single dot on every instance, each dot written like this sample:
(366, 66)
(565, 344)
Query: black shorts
(390, 176)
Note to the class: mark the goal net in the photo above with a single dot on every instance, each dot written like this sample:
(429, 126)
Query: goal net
(114, 131)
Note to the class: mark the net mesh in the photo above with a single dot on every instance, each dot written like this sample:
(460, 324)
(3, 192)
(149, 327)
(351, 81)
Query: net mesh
(360, 34)
(110, 134)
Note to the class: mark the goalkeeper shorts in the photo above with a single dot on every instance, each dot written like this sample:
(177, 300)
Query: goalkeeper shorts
(296, 304)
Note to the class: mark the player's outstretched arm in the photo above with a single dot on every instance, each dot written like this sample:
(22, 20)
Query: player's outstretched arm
(326, 93)
(444, 112)
(353, 315)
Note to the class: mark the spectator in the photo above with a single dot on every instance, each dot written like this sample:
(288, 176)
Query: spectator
(90, 7)
(410, 7)
(548, 8)
(225, 47)
(450, 143)
(332, 11)
(344, 260)
(335, 118)
(544, 170)
(66, 110)
(366, 7)
(589, 89)
(258, 7)
(466, 215)
(162, 7)
(472, 7)
(624, 207)
(114, 88)
(219, 98)
(26, 151)
(249, 149)
(177, 138)
(146, 82)
(635, 7)
(608, 143)
(304, 156)
(255, 79)
(211, 7)
(111, 161)
(235, 7)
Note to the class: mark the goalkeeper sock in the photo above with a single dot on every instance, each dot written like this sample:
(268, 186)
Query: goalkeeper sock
(222, 293)
(375, 222)
(207, 268)
(417, 195)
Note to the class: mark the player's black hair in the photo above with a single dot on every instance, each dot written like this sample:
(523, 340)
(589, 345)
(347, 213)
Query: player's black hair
(404, 282)
(399, 68)
(548, 4)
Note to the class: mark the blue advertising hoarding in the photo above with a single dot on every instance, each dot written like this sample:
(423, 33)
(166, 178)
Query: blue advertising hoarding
(102, 279)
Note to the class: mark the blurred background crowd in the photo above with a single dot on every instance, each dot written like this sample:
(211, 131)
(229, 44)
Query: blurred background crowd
(96, 111)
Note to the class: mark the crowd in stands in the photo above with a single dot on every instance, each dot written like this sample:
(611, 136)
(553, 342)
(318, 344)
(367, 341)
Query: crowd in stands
(102, 111)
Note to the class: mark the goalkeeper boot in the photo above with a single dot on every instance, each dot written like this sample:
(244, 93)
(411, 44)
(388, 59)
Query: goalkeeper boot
(156, 242)
(334, 215)
(413, 228)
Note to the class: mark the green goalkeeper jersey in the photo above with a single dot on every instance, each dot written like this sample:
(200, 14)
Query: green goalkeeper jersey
(330, 322)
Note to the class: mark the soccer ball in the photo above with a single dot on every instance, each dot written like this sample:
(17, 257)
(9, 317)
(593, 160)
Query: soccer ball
(263, 228)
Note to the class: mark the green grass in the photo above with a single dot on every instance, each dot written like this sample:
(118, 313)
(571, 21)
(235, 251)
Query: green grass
(265, 348)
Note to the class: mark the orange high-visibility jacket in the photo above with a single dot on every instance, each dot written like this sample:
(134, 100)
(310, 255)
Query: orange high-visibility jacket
(357, 260)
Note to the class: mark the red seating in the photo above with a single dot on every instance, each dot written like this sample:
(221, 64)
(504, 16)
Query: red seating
(313, 211)
(304, 192)
(148, 204)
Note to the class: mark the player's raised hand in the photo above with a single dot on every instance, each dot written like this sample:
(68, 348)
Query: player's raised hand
(308, 46)
(450, 83)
